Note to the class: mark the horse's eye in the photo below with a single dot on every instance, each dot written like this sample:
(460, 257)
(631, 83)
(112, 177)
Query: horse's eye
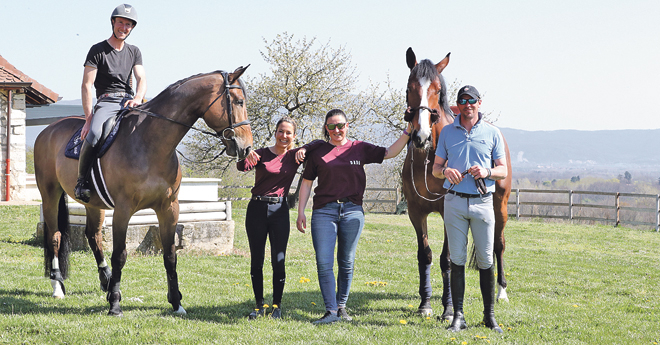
(240, 102)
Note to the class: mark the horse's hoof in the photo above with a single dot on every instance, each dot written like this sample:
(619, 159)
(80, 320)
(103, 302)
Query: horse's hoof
(426, 312)
(58, 289)
(424, 308)
(115, 312)
(447, 315)
(501, 293)
(180, 311)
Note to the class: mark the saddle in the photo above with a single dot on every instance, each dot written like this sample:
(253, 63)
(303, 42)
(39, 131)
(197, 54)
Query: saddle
(108, 137)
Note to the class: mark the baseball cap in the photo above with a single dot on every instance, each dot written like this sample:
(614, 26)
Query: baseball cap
(468, 90)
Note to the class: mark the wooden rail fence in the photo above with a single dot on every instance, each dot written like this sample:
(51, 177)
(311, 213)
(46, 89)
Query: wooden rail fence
(613, 209)
(394, 202)
(569, 209)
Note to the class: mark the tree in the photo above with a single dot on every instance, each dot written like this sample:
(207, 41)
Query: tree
(305, 81)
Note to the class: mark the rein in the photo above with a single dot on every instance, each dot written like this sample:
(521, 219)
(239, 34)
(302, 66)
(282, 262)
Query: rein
(412, 176)
(230, 116)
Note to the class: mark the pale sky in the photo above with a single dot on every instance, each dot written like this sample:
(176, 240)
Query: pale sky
(541, 65)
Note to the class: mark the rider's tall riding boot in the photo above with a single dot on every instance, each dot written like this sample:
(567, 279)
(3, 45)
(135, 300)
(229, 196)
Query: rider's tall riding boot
(87, 155)
(457, 281)
(487, 284)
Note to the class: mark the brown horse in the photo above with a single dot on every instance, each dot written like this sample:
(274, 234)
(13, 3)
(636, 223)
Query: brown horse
(141, 170)
(429, 111)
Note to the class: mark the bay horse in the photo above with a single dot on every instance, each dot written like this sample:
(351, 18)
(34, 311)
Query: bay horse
(429, 111)
(141, 170)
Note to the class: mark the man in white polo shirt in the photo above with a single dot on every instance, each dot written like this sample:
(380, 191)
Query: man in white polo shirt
(470, 146)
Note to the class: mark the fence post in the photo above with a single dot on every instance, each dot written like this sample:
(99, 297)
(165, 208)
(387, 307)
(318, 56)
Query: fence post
(397, 200)
(657, 213)
(570, 205)
(618, 208)
(517, 204)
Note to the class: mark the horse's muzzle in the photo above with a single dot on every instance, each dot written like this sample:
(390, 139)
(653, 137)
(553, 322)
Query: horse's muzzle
(418, 142)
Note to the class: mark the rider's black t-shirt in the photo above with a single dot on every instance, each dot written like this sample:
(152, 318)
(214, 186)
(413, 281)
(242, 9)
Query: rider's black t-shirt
(115, 68)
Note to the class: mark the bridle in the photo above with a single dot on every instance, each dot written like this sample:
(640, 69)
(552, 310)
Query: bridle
(230, 115)
(410, 114)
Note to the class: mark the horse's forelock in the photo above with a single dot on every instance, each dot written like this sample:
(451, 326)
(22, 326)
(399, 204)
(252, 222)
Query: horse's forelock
(425, 69)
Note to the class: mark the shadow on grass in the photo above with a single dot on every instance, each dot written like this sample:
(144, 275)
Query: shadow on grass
(300, 306)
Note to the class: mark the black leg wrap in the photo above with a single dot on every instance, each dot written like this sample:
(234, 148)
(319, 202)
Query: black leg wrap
(56, 274)
(105, 275)
(487, 285)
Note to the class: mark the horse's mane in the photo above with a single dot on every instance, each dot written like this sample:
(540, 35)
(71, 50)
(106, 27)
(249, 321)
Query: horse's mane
(425, 69)
(166, 94)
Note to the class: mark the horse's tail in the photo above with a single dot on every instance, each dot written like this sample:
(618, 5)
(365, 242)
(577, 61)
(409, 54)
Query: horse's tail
(65, 240)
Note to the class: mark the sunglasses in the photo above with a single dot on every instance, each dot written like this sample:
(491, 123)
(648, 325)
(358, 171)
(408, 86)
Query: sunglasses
(331, 126)
(471, 101)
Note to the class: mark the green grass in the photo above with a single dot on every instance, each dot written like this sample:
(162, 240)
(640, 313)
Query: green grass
(568, 284)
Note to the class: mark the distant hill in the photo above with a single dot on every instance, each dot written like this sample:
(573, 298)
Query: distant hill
(70, 102)
(613, 149)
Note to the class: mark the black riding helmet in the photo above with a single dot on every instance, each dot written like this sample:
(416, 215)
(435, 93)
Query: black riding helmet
(125, 11)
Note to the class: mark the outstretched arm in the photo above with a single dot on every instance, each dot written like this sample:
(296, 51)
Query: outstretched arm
(399, 144)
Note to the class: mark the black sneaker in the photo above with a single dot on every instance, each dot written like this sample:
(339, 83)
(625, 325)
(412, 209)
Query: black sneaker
(257, 312)
(327, 318)
(341, 312)
(277, 312)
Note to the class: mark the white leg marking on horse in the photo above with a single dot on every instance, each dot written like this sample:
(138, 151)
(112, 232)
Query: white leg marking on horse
(55, 264)
(57, 289)
(423, 118)
(501, 293)
(103, 264)
(180, 311)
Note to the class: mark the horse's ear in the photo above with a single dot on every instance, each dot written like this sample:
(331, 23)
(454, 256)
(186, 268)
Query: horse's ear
(440, 66)
(411, 60)
(237, 73)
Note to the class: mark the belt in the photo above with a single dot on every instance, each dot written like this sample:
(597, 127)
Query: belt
(268, 199)
(468, 196)
(113, 94)
(341, 201)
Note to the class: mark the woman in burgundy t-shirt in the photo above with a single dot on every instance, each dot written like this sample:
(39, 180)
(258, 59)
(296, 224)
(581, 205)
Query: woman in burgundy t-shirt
(268, 213)
(337, 216)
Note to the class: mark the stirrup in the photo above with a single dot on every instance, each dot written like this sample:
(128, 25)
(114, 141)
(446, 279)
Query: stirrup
(82, 191)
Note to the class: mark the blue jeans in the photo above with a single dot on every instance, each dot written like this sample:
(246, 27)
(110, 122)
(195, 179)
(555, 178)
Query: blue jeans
(341, 224)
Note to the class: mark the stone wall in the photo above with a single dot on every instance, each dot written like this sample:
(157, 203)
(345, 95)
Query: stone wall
(17, 138)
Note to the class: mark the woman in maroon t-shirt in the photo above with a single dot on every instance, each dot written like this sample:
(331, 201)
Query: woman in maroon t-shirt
(268, 213)
(337, 215)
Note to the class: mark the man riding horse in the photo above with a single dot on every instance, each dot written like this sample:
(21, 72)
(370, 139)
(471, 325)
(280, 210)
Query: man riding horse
(109, 67)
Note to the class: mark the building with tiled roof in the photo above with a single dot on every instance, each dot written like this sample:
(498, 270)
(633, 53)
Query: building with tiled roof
(17, 92)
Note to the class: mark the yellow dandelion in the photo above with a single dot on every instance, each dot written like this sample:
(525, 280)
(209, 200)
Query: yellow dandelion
(507, 274)
(410, 305)
(452, 338)
(508, 328)
(248, 285)
(501, 325)
(464, 343)
(575, 305)
(488, 341)
(274, 305)
(313, 303)
(428, 318)
(403, 322)
(265, 305)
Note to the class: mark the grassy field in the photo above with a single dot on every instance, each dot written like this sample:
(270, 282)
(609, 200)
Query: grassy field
(568, 284)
